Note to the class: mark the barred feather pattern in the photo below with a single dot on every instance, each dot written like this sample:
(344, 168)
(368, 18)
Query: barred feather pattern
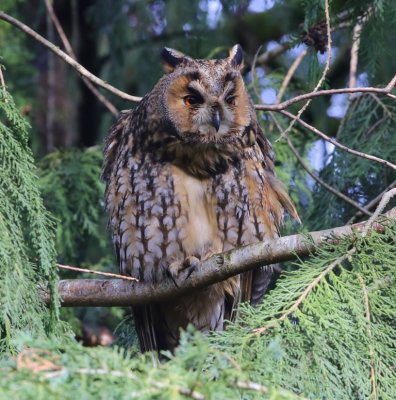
(170, 198)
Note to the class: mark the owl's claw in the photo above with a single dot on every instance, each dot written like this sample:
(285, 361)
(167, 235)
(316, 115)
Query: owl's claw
(181, 271)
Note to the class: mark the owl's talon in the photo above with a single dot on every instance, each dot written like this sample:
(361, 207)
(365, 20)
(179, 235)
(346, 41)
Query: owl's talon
(181, 271)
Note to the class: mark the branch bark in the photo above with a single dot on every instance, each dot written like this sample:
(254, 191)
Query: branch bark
(118, 292)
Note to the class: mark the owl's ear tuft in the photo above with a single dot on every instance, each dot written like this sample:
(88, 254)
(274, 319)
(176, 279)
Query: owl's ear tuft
(236, 57)
(171, 58)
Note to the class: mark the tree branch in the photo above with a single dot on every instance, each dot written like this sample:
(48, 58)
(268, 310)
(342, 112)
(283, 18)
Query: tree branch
(263, 107)
(324, 73)
(316, 178)
(80, 69)
(118, 292)
(285, 104)
(372, 203)
(335, 143)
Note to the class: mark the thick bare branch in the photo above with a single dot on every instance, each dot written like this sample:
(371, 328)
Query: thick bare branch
(118, 292)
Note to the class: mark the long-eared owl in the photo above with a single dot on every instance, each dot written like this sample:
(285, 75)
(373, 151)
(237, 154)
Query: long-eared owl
(189, 174)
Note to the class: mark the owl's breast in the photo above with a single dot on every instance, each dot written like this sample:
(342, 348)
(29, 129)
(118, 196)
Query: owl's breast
(198, 232)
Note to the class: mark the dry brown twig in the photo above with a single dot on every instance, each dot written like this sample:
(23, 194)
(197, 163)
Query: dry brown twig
(357, 31)
(381, 206)
(90, 271)
(290, 74)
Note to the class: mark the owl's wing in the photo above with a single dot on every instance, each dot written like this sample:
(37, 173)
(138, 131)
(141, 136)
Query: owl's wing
(256, 283)
(112, 144)
(276, 186)
(115, 140)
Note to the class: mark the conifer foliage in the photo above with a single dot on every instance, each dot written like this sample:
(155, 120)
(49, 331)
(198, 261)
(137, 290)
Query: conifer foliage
(326, 330)
(27, 251)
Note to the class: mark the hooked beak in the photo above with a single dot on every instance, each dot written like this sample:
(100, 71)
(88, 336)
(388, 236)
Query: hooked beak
(216, 120)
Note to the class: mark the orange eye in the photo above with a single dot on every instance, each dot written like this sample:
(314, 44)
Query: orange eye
(192, 100)
(230, 100)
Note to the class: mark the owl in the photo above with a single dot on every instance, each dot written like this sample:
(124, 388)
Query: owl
(189, 174)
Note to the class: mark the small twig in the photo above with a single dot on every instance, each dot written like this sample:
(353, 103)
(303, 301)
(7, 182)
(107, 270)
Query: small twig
(82, 71)
(356, 34)
(290, 74)
(315, 177)
(2, 82)
(381, 104)
(326, 92)
(90, 271)
(305, 293)
(357, 30)
(384, 201)
(335, 143)
(322, 78)
(373, 378)
(69, 50)
(372, 203)
(257, 387)
(270, 54)
(254, 76)
(391, 84)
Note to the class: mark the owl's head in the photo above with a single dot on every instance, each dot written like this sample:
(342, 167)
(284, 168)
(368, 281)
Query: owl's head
(205, 100)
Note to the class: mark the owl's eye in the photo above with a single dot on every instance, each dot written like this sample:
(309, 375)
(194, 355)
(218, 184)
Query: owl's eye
(192, 99)
(230, 99)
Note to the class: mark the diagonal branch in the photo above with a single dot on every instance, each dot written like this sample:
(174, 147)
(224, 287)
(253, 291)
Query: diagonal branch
(80, 69)
(316, 178)
(372, 203)
(118, 292)
(335, 143)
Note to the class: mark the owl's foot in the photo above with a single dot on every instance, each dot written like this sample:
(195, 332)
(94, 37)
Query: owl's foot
(181, 271)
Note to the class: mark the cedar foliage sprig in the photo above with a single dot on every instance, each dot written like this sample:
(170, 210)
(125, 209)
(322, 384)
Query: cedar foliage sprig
(27, 252)
(340, 342)
(73, 193)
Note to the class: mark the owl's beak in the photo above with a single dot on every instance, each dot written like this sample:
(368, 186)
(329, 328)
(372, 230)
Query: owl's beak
(216, 120)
